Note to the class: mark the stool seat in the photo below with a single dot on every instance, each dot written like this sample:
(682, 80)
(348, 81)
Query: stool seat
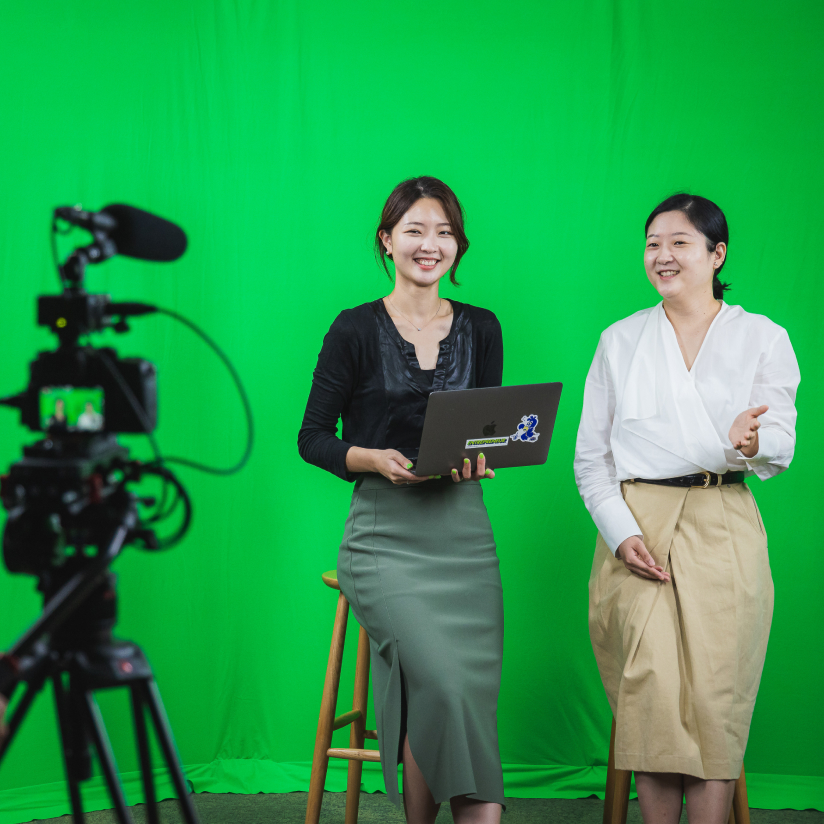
(330, 578)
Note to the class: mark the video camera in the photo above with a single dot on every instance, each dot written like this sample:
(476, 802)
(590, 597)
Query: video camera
(80, 388)
(72, 509)
(81, 396)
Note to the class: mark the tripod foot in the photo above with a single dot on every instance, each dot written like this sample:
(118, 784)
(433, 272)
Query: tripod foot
(151, 697)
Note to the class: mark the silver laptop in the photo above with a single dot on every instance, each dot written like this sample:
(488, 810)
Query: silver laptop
(511, 425)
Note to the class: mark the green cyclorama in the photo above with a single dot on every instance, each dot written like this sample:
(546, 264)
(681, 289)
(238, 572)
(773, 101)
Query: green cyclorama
(272, 133)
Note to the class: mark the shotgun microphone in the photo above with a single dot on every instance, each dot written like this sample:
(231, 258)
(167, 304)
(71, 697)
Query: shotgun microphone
(135, 233)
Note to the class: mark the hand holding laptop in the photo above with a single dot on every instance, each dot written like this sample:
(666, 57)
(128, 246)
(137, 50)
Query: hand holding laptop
(387, 462)
(467, 474)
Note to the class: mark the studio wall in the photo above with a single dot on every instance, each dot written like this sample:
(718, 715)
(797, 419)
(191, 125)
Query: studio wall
(273, 132)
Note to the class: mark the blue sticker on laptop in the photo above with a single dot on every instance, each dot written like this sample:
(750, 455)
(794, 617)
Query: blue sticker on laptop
(526, 430)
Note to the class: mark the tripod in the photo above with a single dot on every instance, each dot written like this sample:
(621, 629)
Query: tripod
(76, 675)
(79, 658)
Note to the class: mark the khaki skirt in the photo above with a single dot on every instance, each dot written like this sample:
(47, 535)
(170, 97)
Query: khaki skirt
(681, 662)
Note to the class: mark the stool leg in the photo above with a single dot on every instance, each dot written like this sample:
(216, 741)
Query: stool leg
(616, 796)
(320, 760)
(623, 779)
(609, 792)
(740, 812)
(358, 727)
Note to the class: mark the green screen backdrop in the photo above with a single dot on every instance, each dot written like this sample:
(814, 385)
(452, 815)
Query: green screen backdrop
(272, 132)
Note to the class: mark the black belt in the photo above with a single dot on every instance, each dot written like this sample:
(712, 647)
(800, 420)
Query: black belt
(700, 480)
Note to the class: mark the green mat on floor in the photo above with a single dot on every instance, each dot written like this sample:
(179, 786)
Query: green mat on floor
(245, 776)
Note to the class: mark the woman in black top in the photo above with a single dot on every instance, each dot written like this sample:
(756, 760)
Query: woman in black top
(417, 561)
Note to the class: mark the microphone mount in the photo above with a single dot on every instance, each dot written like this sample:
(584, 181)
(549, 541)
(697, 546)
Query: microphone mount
(117, 229)
(102, 248)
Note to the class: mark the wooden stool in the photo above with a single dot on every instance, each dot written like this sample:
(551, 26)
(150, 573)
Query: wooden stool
(328, 723)
(616, 795)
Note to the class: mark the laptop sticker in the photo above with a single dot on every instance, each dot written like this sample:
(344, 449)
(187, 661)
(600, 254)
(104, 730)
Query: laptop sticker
(477, 443)
(526, 430)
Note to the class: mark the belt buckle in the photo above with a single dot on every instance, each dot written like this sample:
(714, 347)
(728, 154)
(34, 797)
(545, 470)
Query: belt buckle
(706, 484)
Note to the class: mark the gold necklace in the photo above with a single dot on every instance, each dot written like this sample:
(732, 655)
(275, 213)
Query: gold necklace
(440, 301)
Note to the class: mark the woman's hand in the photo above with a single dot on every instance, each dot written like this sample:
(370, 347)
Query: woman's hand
(391, 464)
(468, 475)
(744, 431)
(388, 462)
(638, 561)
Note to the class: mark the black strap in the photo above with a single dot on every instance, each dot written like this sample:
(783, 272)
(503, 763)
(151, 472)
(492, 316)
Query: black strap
(702, 480)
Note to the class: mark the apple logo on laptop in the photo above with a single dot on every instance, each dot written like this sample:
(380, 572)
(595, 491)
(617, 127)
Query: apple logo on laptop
(489, 429)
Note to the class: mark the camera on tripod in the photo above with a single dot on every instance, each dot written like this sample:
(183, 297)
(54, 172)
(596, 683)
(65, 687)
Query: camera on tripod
(72, 509)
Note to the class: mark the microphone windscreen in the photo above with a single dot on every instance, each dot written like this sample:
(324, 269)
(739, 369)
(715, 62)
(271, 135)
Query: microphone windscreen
(145, 236)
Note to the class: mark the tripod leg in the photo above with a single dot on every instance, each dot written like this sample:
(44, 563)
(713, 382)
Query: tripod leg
(72, 741)
(151, 697)
(19, 714)
(94, 722)
(144, 754)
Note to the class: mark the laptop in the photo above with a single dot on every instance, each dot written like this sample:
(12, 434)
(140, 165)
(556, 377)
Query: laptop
(511, 425)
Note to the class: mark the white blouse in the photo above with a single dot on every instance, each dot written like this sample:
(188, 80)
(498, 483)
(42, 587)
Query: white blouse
(646, 416)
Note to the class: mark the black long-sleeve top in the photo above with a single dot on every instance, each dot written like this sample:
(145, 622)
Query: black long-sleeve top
(369, 376)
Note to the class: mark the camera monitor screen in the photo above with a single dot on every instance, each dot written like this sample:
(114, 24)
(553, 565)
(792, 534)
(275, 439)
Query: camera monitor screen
(72, 409)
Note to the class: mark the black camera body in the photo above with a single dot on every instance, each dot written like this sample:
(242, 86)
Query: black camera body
(127, 384)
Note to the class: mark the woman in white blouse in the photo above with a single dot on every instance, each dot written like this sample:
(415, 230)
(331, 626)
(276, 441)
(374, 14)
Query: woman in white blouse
(682, 402)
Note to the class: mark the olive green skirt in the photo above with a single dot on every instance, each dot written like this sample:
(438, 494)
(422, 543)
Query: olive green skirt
(419, 567)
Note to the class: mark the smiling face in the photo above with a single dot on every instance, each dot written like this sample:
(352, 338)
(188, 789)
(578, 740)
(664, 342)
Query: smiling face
(422, 244)
(677, 261)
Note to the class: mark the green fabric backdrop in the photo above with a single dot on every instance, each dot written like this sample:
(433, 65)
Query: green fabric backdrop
(273, 131)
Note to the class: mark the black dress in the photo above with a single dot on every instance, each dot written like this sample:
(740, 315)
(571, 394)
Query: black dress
(417, 563)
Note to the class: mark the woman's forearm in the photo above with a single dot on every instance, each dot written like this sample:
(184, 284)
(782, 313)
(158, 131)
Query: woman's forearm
(359, 459)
